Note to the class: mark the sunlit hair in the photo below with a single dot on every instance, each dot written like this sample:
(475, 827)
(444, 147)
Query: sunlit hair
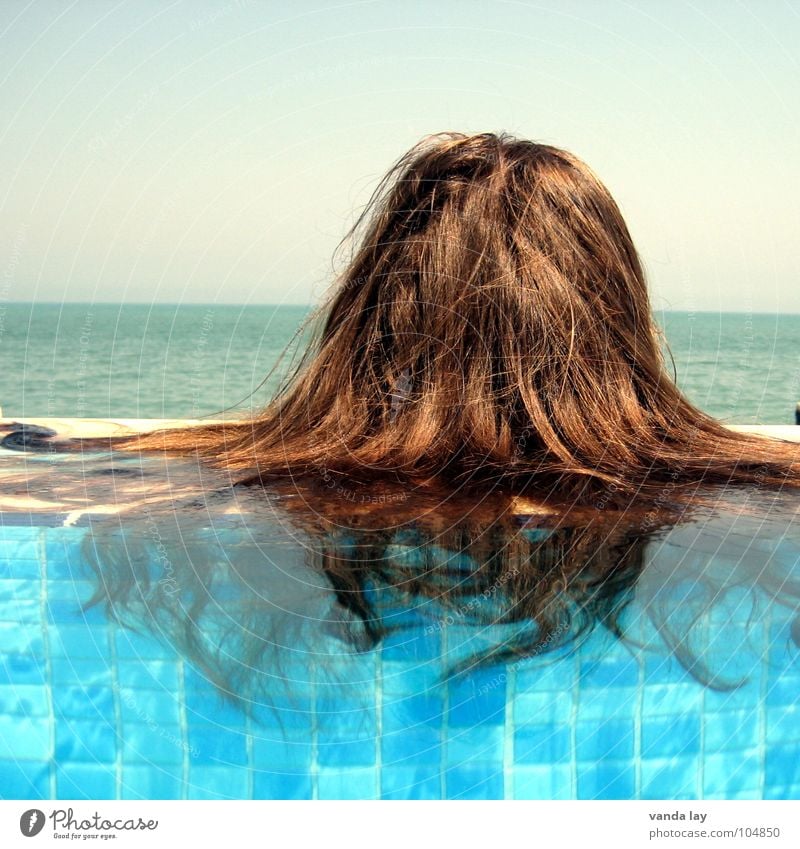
(493, 329)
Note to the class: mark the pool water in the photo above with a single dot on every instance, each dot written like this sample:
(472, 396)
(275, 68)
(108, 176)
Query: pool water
(219, 662)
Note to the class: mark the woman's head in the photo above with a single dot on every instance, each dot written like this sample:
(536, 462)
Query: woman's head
(495, 307)
(492, 330)
(489, 223)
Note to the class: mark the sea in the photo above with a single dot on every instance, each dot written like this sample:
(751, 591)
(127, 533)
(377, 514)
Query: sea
(209, 360)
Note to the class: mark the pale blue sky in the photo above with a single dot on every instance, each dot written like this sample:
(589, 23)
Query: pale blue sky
(217, 150)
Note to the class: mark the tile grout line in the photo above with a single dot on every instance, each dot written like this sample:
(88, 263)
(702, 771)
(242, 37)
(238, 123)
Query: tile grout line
(379, 723)
(184, 726)
(113, 631)
(445, 724)
(573, 724)
(314, 765)
(48, 661)
(508, 737)
(766, 626)
(637, 725)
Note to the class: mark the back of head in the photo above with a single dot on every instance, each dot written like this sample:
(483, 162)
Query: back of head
(493, 328)
(497, 310)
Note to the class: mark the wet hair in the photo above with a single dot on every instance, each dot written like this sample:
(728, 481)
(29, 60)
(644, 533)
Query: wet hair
(238, 604)
(524, 593)
(492, 330)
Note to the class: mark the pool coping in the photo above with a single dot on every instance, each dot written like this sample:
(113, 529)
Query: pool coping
(74, 426)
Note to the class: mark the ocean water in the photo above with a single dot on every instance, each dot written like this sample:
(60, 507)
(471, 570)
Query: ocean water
(189, 361)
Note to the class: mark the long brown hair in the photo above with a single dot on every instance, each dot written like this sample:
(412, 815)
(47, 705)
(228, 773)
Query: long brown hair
(493, 330)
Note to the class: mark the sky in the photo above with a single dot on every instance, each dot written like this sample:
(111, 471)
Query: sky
(218, 152)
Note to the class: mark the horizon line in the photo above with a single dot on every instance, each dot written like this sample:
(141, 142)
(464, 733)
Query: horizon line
(312, 305)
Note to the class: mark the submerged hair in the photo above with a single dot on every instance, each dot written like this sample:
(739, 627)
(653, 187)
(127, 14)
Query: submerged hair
(237, 606)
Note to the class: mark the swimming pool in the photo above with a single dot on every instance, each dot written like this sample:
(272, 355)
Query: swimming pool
(126, 698)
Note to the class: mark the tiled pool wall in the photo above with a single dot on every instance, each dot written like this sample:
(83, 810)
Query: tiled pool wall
(90, 709)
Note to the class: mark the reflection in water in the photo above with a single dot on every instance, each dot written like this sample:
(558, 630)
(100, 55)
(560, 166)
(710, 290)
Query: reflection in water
(237, 593)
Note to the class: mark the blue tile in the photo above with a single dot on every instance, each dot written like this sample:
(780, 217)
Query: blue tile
(153, 674)
(217, 782)
(215, 745)
(731, 730)
(411, 782)
(484, 743)
(280, 754)
(193, 680)
(84, 702)
(741, 698)
(783, 724)
(606, 780)
(542, 744)
(672, 699)
(18, 591)
(78, 641)
(474, 782)
(782, 766)
(154, 743)
(17, 526)
(547, 781)
(152, 782)
(141, 705)
(612, 738)
(422, 709)
(419, 745)
(354, 783)
(734, 795)
(731, 772)
(21, 547)
(348, 724)
(20, 568)
(71, 610)
(347, 753)
(478, 699)
(665, 669)
(25, 738)
(20, 610)
(616, 673)
(16, 669)
(85, 741)
(19, 638)
(409, 647)
(539, 708)
(211, 707)
(293, 721)
(64, 555)
(673, 735)
(533, 676)
(24, 780)
(80, 671)
(671, 778)
(282, 785)
(612, 703)
(132, 645)
(782, 791)
(85, 781)
(78, 592)
(24, 700)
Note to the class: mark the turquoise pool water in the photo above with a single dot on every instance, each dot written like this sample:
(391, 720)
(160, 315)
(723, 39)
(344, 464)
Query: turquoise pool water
(125, 699)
